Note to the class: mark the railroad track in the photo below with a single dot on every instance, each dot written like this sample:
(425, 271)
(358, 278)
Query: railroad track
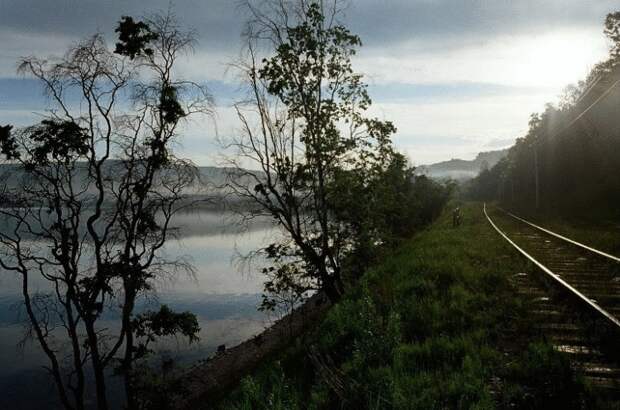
(573, 296)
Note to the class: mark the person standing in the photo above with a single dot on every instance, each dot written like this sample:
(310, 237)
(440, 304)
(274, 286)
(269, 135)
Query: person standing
(456, 217)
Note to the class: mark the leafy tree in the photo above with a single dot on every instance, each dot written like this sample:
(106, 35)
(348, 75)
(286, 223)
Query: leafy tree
(134, 38)
(304, 127)
(612, 31)
(93, 209)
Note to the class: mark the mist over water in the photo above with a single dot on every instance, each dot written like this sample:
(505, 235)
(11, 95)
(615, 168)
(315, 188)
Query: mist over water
(223, 292)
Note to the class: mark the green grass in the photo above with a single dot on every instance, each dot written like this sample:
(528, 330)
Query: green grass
(435, 326)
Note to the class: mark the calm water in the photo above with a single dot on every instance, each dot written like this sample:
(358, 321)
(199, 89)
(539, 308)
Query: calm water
(223, 292)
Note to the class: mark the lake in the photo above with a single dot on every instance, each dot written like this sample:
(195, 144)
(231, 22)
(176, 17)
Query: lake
(224, 293)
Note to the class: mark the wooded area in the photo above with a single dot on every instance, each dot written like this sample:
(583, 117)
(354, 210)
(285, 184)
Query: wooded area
(569, 158)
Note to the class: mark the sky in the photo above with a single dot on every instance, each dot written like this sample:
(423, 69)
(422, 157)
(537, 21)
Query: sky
(457, 77)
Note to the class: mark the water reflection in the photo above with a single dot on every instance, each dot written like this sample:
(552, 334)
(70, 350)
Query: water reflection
(224, 298)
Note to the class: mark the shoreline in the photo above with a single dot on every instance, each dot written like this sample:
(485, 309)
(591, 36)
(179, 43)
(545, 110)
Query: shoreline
(206, 382)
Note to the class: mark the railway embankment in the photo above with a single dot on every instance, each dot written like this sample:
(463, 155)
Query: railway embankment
(450, 319)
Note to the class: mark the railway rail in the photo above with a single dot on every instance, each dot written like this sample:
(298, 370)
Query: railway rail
(574, 295)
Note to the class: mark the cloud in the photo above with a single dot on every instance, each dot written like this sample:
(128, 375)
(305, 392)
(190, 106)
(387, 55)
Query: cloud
(437, 26)
(17, 43)
(454, 76)
(551, 59)
(436, 131)
(382, 23)
(45, 27)
(487, 117)
(461, 91)
(217, 22)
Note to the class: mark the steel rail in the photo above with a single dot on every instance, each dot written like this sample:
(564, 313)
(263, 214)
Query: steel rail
(564, 238)
(558, 280)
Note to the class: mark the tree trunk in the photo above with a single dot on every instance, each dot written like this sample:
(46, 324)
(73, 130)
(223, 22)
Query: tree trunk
(536, 178)
(333, 288)
(98, 369)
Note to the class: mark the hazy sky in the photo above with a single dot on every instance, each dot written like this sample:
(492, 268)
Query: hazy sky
(456, 76)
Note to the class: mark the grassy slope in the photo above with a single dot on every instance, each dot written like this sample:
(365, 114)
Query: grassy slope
(435, 326)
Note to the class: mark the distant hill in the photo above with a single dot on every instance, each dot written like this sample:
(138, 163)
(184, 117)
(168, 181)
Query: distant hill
(460, 169)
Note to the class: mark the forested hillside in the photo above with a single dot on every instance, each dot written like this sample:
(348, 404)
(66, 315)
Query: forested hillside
(569, 157)
(461, 169)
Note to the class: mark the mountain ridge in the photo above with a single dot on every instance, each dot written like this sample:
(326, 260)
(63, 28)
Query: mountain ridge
(461, 169)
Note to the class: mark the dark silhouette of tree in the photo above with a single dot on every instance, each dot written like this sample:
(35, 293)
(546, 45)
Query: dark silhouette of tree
(327, 174)
(612, 31)
(94, 207)
(134, 38)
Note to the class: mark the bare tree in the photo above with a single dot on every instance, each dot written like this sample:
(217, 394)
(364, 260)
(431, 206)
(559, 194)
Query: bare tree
(303, 128)
(93, 207)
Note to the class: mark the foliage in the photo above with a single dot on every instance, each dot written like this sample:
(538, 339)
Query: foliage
(134, 38)
(550, 381)
(100, 185)
(329, 175)
(425, 329)
(150, 325)
(8, 146)
(383, 207)
(283, 395)
(612, 31)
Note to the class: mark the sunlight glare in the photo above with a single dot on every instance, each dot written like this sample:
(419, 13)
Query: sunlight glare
(555, 59)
